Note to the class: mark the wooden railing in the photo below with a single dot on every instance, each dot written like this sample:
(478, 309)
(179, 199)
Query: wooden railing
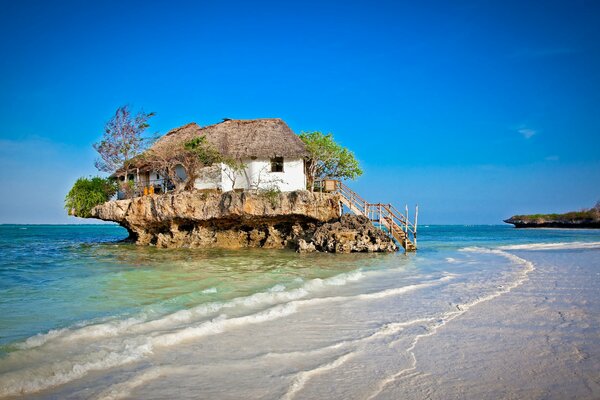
(385, 216)
(142, 188)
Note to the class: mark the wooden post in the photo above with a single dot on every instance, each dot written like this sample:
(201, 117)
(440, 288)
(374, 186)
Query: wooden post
(392, 223)
(406, 233)
(416, 221)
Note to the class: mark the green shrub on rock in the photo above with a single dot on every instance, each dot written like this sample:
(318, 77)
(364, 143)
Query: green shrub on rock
(87, 193)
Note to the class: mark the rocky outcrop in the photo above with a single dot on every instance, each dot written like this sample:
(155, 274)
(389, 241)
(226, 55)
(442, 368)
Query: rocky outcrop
(524, 222)
(351, 233)
(299, 220)
(586, 218)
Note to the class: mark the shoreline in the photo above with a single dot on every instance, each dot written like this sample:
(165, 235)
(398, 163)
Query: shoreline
(530, 334)
(291, 325)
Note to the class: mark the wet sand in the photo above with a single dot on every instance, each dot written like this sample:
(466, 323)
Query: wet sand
(540, 341)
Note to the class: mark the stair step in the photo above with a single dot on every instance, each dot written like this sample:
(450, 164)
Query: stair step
(347, 197)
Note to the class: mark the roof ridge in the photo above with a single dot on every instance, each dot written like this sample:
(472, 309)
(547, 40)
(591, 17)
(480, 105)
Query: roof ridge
(172, 131)
(238, 138)
(241, 120)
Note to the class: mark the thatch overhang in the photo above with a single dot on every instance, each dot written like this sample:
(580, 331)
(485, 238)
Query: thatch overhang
(237, 138)
(136, 164)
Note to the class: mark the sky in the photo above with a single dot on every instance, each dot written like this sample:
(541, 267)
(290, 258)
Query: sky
(474, 110)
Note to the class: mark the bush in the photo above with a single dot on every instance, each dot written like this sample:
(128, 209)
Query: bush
(272, 195)
(88, 193)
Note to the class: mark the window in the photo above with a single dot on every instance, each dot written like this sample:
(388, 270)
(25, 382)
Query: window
(277, 164)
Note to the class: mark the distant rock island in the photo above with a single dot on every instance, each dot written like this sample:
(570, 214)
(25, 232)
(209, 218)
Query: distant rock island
(589, 218)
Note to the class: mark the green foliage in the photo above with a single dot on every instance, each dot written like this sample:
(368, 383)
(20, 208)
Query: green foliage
(235, 164)
(88, 193)
(272, 194)
(201, 148)
(591, 214)
(328, 159)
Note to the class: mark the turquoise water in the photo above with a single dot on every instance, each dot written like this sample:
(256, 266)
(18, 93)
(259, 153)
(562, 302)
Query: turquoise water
(52, 276)
(56, 281)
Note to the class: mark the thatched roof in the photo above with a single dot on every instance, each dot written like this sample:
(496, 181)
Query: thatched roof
(238, 138)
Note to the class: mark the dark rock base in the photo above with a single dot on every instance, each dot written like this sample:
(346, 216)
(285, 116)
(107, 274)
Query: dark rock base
(348, 234)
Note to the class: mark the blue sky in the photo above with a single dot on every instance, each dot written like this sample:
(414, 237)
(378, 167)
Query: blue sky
(475, 110)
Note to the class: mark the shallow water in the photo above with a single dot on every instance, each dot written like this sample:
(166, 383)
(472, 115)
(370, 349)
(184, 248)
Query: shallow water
(84, 317)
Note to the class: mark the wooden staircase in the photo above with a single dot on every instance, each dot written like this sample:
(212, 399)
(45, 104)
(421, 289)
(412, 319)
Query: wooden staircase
(384, 216)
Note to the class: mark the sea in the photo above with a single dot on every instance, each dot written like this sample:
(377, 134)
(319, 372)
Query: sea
(479, 312)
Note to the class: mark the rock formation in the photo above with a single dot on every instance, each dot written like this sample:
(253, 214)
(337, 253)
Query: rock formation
(587, 218)
(298, 220)
(522, 222)
(351, 233)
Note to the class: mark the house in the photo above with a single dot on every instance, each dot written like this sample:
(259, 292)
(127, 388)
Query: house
(271, 153)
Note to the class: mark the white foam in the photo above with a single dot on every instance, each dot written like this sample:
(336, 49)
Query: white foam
(277, 288)
(111, 328)
(460, 310)
(303, 377)
(133, 339)
(374, 295)
(221, 324)
(553, 246)
(124, 389)
(41, 377)
(389, 329)
(210, 290)
(59, 372)
(140, 323)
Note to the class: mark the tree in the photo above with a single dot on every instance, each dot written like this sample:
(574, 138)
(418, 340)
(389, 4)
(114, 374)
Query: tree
(122, 140)
(167, 157)
(88, 193)
(233, 168)
(328, 159)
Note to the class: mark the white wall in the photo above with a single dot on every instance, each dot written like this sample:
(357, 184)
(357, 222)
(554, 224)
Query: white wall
(209, 178)
(257, 174)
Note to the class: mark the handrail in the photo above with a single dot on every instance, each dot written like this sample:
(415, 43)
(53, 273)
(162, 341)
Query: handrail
(137, 189)
(394, 209)
(397, 224)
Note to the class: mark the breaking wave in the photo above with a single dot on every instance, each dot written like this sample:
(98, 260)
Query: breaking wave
(115, 343)
(553, 246)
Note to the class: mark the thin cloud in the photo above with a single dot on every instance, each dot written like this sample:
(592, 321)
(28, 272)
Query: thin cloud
(527, 132)
(552, 158)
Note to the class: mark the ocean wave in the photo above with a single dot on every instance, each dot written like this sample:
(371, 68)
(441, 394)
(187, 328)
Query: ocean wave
(522, 276)
(123, 389)
(301, 378)
(39, 377)
(140, 323)
(84, 358)
(553, 246)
